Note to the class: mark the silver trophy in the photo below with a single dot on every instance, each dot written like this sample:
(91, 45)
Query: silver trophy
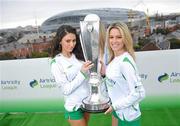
(98, 100)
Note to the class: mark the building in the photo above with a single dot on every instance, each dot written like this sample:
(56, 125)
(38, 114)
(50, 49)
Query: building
(107, 16)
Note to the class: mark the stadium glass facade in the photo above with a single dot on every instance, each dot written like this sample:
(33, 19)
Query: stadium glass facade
(107, 15)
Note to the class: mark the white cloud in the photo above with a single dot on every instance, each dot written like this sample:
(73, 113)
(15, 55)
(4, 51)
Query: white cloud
(14, 11)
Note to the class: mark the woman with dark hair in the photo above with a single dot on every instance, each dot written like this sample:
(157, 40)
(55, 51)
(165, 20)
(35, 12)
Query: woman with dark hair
(70, 73)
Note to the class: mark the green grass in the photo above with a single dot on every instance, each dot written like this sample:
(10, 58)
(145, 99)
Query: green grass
(156, 111)
(150, 117)
(161, 117)
(54, 105)
(40, 105)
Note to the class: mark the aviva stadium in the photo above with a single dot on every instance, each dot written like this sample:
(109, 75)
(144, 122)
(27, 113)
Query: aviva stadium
(107, 15)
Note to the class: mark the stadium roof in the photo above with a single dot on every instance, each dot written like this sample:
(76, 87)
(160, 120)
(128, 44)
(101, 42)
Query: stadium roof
(107, 16)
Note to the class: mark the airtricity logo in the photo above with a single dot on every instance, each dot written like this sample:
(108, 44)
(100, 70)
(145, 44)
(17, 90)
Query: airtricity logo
(173, 77)
(163, 77)
(43, 83)
(33, 83)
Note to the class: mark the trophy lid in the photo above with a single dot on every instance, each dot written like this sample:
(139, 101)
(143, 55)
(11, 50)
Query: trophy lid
(92, 17)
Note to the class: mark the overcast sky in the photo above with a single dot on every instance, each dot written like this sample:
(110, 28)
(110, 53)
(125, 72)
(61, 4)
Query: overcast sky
(15, 13)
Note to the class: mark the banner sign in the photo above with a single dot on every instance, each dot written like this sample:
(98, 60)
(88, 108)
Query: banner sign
(27, 85)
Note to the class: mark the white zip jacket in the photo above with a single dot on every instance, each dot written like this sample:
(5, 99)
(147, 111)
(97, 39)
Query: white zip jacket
(72, 82)
(124, 87)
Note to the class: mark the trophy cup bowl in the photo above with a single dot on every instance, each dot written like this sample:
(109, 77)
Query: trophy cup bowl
(98, 100)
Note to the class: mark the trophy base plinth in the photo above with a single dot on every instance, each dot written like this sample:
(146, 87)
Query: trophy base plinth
(96, 107)
(93, 111)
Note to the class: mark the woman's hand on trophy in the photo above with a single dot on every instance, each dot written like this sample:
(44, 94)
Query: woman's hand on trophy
(110, 109)
(86, 66)
(103, 69)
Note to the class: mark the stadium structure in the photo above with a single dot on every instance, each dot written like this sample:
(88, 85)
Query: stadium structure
(107, 15)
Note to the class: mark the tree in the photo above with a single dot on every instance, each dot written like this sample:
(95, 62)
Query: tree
(174, 43)
(39, 55)
(6, 56)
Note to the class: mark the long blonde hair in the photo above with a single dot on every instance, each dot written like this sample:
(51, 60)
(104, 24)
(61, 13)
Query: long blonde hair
(102, 39)
(127, 39)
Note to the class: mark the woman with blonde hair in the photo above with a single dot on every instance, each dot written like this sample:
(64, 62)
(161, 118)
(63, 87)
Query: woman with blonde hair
(122, 78)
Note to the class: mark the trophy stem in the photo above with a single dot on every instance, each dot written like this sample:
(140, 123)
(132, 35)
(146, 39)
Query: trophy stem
(96, 102)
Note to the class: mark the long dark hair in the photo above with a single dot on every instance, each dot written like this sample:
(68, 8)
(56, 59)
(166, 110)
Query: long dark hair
(61, 32)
